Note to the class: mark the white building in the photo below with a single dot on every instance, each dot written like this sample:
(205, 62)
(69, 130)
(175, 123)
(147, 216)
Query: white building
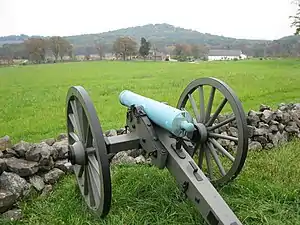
(225, 54)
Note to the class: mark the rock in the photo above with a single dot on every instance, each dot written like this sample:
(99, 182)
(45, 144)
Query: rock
(1, 154)
(253, 118)
(263, 125)
(278, 115)
(140, 159)
(295, 117)
(260, 132)
(13, 215)
(7, 199)
(269, 146)
(251, 130)
(286, 118)
(297, 106)
(8, 153)
(34, 152)
(274, 122)
(61, 137)
(2, 166)
(135, 152)
(63, 165)
(273, 128)
(61, 148)
(53, 176)
(46, 162)
(255, 145)
(111, 133)
(122, 158)
(263, 107)
(282, 107)
(233, 131)
(281, 127)
(37, 182)
(14, 183)
(261, 139)
(276, 138)
(225, 143)
(292, 127)
(267, 116)
(50, 141)
(5, 143)
(47, 189)
(121, 131)
(21, 148)
(21, 167)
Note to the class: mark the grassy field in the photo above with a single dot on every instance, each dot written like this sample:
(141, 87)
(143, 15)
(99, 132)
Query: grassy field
(32, 107)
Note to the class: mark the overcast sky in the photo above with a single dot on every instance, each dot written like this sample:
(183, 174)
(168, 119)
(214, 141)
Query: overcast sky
(253, 19)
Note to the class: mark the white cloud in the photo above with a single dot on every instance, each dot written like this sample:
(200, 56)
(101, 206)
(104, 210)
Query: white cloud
(264, 19)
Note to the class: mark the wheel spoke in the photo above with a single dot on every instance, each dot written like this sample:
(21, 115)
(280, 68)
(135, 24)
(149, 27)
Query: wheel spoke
(73, 121)
(221, 149)
(95, 186)
(201, 156)
(76, 117)
(90, 190)
(94, 164)
(86, 177)
(221, 124)
(74, 136)
(194, 106)
(210, 103)
(89, 138)
(214, 135)
(202, 107)
(216, 158)
(81, 170)
(215, 115)
(209, 165)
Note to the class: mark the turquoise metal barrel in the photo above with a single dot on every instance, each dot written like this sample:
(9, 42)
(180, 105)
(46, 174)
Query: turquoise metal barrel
(176, 121)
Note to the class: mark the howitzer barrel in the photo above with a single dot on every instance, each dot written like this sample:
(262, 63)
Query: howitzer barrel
(178, 122)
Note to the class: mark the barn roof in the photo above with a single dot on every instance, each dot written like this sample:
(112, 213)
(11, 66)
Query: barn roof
(224, 52)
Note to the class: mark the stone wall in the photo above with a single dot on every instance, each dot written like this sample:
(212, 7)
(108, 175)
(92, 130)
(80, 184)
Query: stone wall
(27, 167)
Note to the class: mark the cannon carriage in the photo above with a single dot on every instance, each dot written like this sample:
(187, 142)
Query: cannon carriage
(185, 140)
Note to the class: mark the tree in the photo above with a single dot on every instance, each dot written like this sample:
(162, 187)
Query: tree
(125, 46)
(59, 47)
(36, 48)
(144, 48)
(100, 49)
(296, 18)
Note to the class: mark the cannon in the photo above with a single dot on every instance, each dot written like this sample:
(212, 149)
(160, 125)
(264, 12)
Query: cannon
(187, 139)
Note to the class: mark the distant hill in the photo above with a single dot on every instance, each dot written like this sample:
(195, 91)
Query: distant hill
(162, 35)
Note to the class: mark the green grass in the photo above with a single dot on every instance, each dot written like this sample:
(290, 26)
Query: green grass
(32, 107)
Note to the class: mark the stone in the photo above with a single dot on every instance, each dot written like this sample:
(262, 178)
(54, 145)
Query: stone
(50, 141)
(121, 131)
(46, 162)
(261, 139)
(253, 118)
(61, 137)
(53, 176)
(276, 138)
(13, 214)
(282, 107)
(274, 122)
(63, 165)
(297, 106)
(5, 143)
(281, 127)
(135, 152)
(278, 115)
(269, 146)
(34, 152)
(47, 189)
(1, 154)
(273, 128)
(140, 160)
(2, 166)
(295, 117)
(37, 182)
(8, 153)
(225, 143)
(61, 149)
(122, 158)
(21, 148)
(233, 131)
(292, 127)
(286, 118)
(267, 116)
(7, 199)
(21, 167)
(14, 183)
(111, 133)
(260, 132)
(251, 130)
(255, 145)
(263, 107)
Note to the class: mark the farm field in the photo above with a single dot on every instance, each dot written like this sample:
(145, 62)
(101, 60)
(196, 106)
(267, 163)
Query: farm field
(32, 108)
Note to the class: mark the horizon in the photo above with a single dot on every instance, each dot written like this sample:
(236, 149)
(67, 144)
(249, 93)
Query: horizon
(233, 22)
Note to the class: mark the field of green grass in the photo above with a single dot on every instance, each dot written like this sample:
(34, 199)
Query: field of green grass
(32, 108)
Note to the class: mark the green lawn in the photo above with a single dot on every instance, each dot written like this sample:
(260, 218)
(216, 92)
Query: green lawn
(32, 107)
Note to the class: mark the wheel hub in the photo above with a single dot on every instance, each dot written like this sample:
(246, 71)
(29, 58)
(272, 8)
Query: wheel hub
(200, 136)
(77, 153)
